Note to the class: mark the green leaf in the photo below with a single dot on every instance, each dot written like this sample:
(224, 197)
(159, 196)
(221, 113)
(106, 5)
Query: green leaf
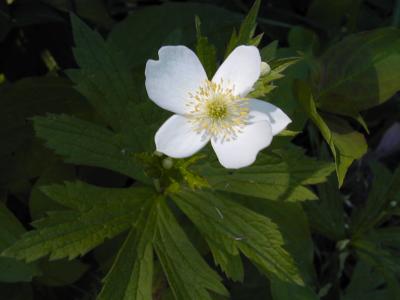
(12, 270)
(131, 275)
(326, 215)
(276, 175)
(303, 39)
(206, 52)
(385, 189)
(246, 31)
(345, 143)
(61, 272)
(234, 228)
(82, 142)
(265, 84)
(104, 78)
(359, 72)
(160, 21)
(21, 157)
(95, 214)
(268, 53)
(188, 274)
(286, 291)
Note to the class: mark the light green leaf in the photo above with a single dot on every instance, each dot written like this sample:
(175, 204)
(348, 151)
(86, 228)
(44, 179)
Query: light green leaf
(131, 275)
(82, 142)
(265, 84)
(276, 175)
(234, 227)
(246, 31)
(188, 274)
(345, 143)
(12, 270)
(359, 72)
(95, 214)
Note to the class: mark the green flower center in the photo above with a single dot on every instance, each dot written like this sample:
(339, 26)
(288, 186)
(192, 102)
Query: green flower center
(217, 109)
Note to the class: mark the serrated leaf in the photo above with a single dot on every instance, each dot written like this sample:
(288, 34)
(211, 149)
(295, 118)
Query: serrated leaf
(131, 275)
(104, 77)
(246, 31)
(188, 274)
(345, 143)
(265, 84)
(259, 239)
(95, 214)
(276, 175)
(82, 142)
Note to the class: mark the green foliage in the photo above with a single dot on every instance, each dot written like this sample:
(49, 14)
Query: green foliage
(82, 142)
(164, 220)
(95, 214)
(206, 52)
(363, 79)
(345, 143)
(12, 270)
(277, 175)
(232, 227)
(245, 36)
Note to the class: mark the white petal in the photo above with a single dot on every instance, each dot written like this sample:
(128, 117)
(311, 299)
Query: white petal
(176, 138)
(242, 151)
(264, 111)
(241, 68)
(170, 79)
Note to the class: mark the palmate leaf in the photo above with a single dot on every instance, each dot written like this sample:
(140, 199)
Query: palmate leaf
(233, 227)
(95, 214)
(276, 175)
(85, 143)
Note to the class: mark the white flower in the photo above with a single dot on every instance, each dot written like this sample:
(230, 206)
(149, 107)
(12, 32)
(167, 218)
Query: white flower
(215, 110)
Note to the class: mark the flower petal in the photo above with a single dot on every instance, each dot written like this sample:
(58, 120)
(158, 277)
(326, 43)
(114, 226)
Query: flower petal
(176, 138)
(241, 68)
(170, 79)
(242, 151)
(264, 111)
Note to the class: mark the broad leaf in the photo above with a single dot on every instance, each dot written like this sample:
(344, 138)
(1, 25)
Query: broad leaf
(347, 83)
(94, 214)
(234, 227)
(276, 175)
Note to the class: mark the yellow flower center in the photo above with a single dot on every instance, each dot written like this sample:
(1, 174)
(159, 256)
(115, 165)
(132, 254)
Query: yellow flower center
(216, 111)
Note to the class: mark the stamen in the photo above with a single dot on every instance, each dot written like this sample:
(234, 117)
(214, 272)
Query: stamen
(217, 112)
